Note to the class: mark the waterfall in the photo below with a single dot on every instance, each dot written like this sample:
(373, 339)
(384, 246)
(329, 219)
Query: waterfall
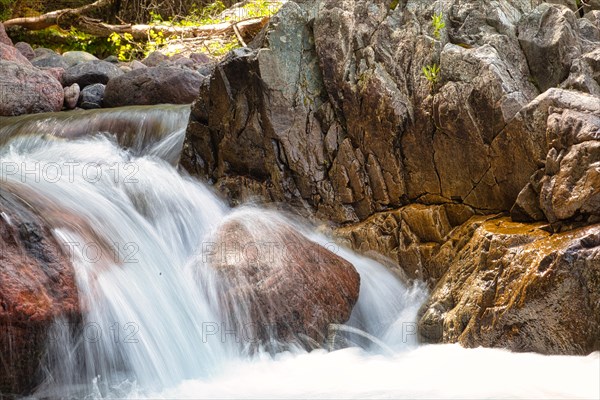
(134, 226)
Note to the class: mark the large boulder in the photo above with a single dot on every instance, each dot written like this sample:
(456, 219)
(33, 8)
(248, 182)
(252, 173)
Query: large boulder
(518, 287)
(154, 85)
(37, 287)
(275, 284)
(91, 72)
(330, 108)
(26, 90)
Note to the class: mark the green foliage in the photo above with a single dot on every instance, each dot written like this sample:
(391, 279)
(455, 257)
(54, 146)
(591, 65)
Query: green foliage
(258, 8)
(6, 7)
(127, 48)
(218, 48)
(394, 4)
(206, 15)
(60, 41)
(437, 21)
(432, 73)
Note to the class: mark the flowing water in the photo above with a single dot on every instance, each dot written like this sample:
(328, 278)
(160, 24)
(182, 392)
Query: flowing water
(151, 328)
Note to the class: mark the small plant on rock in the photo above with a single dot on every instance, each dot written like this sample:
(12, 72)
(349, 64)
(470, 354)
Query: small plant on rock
(437, 21)
(432, 74)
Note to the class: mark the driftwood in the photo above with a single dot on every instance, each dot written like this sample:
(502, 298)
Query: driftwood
(80, 19)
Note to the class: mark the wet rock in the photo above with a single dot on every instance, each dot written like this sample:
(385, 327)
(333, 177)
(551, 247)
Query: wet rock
(92, 96)
(329, 111)
(156, 85)
(71, 96)
(26, 50)
(293, 288)
(9, 53)
(26, 90)
(37, 286)
(515, 286)
(78, 57)
(91, 72)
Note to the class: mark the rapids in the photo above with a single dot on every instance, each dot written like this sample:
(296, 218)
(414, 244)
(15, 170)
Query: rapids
(152, 331)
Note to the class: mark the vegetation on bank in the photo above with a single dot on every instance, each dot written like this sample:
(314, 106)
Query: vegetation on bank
(162, 28)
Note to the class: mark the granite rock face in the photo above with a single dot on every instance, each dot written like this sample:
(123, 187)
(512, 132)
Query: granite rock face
(516, 286)
(329, 110)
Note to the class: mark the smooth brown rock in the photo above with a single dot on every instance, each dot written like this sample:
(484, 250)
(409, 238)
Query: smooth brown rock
(291, 288)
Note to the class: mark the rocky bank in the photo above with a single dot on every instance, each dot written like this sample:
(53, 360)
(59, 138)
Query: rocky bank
(41, 80)
(484, 182)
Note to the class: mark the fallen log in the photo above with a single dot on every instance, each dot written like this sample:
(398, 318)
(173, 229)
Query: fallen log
(79, 19)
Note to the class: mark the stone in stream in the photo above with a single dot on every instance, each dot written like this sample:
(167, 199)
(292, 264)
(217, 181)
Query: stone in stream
(37, 286)
(154, 85)
(26, 50)
(290, 288)
(27, 90)
(91, 72)
(92, 96)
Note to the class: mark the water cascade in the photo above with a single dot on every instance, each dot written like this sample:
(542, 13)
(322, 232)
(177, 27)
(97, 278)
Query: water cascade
(135, 228)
